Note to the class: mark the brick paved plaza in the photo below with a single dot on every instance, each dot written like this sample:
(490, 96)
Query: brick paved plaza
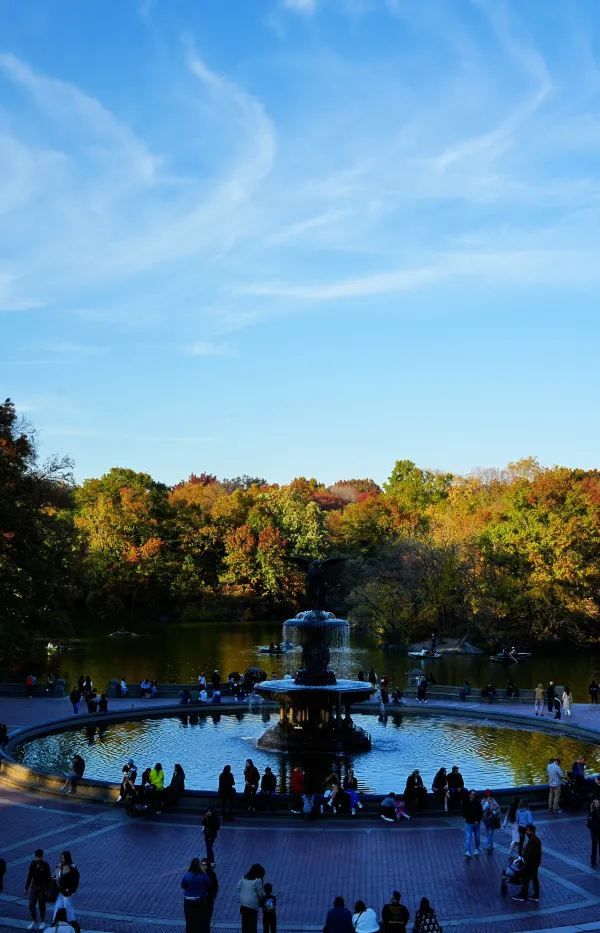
(131, 869)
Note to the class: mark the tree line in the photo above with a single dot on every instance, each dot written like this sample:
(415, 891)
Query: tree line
(498, 555)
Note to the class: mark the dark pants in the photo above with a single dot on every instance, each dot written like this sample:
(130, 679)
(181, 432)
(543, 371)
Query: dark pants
(37, 896)
(521, 839)
(531, 875)
(269, 921)
(249, 919)
(595, 845)
(594, 697)
(197, 915)
(209, 842)
(227, 805)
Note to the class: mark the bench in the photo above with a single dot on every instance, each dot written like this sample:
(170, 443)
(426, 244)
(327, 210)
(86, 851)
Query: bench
(165, 691)
(452, 692)
(38, 690)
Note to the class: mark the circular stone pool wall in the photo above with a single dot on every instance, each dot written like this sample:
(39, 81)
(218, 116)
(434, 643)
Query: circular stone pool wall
(489, 754)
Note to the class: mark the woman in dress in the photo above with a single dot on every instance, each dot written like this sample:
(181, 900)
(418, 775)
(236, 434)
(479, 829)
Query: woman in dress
(511, 824)
(567, 701)
(439, 787)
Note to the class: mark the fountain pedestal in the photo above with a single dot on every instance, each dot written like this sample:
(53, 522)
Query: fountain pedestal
(314, 707)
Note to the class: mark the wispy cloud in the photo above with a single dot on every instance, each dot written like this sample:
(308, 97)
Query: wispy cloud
(207, 348)
(307, 7)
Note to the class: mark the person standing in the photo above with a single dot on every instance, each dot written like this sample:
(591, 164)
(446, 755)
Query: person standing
(593, 824)
(67, 882)
(539, 700)
(567, 701)
(226, 792)
(38, 880)
(269, 910)
(214, 885)
(197, 890)
(491, 819)
(251, 892)
(550, 695)
(251, 782)
(593, 690)
(472, 814)
(532, 855)
(555, 778)
(524, 819)
(422, 689)
(75, 698)
(211, 824)
(511, 823)
(394, 915)
(268, 789)
(297, 789)
(456, 786)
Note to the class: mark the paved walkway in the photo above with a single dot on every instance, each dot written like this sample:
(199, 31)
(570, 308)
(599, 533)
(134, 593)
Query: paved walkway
(131, 869)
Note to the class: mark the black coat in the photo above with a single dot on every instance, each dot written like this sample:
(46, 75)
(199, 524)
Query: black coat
(472, 811)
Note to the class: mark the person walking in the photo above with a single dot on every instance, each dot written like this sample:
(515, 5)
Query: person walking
(532, 855)
(472, 814)
(555, 778)
(66, 876)
(593, 690)
(394, 916)
(511, 823)
(364, 919)
(539, 700)
(37, 883)
(226, 792)
(425, 919)
(550, 695)
(593, 824)
(524, 819)
(269, 910)
(251, 892)
(339, 918)
(491, 819)
(211, 824)
(197, 890)
(567, 701)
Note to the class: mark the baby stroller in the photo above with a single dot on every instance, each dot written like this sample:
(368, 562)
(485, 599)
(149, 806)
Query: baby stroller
(514, 873)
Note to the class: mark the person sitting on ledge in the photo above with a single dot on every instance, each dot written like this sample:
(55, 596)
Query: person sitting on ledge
(489, 692)
(77, 770)
(339, 918)
(185, 697)
(103, 703)
(464, 691)
(145, 688)
(511, 690)
(350, 787)
(415, 792)
(399, 809)
(122, 688)
(456, 786)
(387, 808)
(332, 789)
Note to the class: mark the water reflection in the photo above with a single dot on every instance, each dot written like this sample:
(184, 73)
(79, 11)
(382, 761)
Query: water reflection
(487, 754)
(177, 653)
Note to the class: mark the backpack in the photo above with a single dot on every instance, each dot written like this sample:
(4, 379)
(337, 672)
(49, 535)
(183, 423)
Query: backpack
(269, 904)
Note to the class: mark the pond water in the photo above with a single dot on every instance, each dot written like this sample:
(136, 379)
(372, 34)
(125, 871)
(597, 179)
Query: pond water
(177, 653)
(488, 754)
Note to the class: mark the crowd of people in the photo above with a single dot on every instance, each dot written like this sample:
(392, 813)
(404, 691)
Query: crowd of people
(152, 794)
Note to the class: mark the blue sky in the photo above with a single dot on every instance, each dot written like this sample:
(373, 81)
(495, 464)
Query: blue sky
(301, 237)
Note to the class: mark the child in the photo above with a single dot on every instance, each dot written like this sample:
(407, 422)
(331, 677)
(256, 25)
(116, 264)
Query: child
(401, 813)
(269, 909)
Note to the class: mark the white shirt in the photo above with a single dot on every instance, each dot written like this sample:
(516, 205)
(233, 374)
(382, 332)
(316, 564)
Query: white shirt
(366, 922)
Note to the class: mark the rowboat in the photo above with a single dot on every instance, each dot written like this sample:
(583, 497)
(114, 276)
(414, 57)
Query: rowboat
(425, 655)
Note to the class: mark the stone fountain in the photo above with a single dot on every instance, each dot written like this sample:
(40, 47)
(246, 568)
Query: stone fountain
(314, 706)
